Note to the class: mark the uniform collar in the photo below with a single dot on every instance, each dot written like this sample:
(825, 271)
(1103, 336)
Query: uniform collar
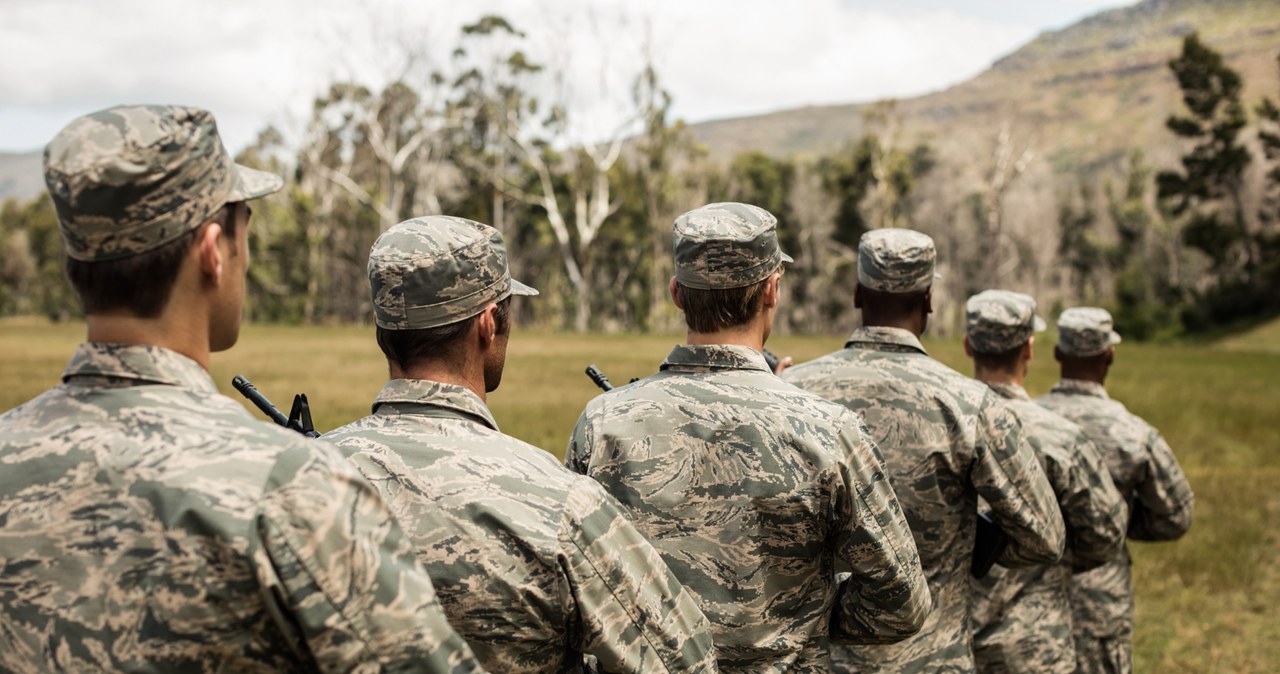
(879, 336)
(1008, 391)
(706, 357)
(1081, 387)
(422, 395)
(138, 364)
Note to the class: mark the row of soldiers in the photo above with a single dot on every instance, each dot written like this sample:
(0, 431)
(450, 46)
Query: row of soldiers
(713, 516)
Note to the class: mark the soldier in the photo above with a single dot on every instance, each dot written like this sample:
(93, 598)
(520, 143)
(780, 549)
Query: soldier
(535, 566)
(946, 440)
(1144, 470)
(753, 490)
(1022, 617)
(148, 523)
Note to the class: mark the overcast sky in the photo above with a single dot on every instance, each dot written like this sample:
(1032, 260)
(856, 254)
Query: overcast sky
(259, 62)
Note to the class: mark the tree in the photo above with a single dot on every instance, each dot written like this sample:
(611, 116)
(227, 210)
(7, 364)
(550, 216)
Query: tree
(1209, 190)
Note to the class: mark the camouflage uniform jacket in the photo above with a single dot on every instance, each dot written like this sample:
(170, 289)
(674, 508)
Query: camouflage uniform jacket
(1022, 617)
(148, 523)
(1147, 475)
(946, 440)
(754, 491)
(535, 565)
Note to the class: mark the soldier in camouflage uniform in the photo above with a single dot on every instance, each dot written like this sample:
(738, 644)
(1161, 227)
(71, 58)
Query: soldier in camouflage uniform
(535, 566)
(1022, 617)
(1144, 470)
(946, 440)
(753, 490)
(148, 523)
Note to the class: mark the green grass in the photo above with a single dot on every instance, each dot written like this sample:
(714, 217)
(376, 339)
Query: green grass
(1207, 603)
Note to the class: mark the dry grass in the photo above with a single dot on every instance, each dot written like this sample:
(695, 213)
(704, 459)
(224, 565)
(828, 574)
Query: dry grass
(1207, 603)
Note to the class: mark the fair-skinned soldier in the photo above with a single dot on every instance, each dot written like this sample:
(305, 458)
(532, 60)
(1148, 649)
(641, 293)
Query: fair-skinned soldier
(148, 523)
(1022, 617)
(753, 490)
(535, 566)
(1144, 470)
(946, 441)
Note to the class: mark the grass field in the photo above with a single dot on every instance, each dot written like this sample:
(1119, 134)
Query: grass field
(1207, 603)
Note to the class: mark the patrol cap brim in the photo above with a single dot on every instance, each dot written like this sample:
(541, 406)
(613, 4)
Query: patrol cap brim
(1040, 326)
(518, 288)
(252, 184)
(785, 257)
(1113, 338)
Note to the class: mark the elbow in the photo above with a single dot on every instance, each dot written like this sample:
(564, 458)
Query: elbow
(886, 626)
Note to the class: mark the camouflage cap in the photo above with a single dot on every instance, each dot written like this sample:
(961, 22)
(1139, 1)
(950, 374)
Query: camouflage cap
(997, 321)
(896, 260)
(436, 270)
(1086, 331)
(726, 245)
(130, 179)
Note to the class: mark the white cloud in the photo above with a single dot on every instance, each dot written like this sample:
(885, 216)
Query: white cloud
(255, 62)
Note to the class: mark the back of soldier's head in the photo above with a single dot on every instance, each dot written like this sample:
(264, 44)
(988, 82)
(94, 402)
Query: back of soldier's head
(131, 186)
(1086, 341)
(896, 270)
(429, 278)
(998, 325)
(724, 254)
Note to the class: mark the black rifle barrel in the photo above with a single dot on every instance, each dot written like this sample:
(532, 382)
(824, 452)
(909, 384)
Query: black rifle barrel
(249, 391)
(598, 377)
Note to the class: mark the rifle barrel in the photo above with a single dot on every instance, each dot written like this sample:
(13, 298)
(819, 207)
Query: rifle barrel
(249, 391)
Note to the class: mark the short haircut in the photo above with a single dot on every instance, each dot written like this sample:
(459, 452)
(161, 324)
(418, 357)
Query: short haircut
(893, 304)
(1006, 361)
(142, 283)
(408, 348)
(715, 309)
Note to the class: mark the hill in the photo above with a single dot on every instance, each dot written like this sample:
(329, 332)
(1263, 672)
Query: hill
(1081, 96)
(20, 175)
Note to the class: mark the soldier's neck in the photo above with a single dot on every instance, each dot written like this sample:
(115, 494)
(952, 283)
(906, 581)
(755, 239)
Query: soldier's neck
(183, 333)
(752, 334)
(467, 374)
(997, 376)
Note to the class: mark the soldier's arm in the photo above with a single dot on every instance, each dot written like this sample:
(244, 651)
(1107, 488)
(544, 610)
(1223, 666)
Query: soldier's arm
(577, 456)
(1091, 506)
(1008, 475)
(886, 598)
(1163, 501)
(341, 576)
(634, 615)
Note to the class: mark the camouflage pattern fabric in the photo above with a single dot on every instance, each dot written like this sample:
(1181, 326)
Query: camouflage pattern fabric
(1146, 473)
(1022, 617)
(754, 492)
(535, 566)
(1086, 331)
(946, 440)
(896, 260)
(148, 523)
(998, 321)
(433, 271)
(726, 245)
(130, 179)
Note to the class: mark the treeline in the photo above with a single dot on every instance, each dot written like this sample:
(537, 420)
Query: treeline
(589, 222)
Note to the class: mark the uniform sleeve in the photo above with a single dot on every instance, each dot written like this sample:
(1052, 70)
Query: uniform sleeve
(1091, 508)
(1008, 475)
(577, 456)
(1163, 502)
(634, 616)
(340, 575)
(886, 598)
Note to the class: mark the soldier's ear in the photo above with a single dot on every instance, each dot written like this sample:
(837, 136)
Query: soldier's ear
(487, 325)
(674, 289)
(928, 301)
(968, 350)
(208, 253)
(771, 290)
